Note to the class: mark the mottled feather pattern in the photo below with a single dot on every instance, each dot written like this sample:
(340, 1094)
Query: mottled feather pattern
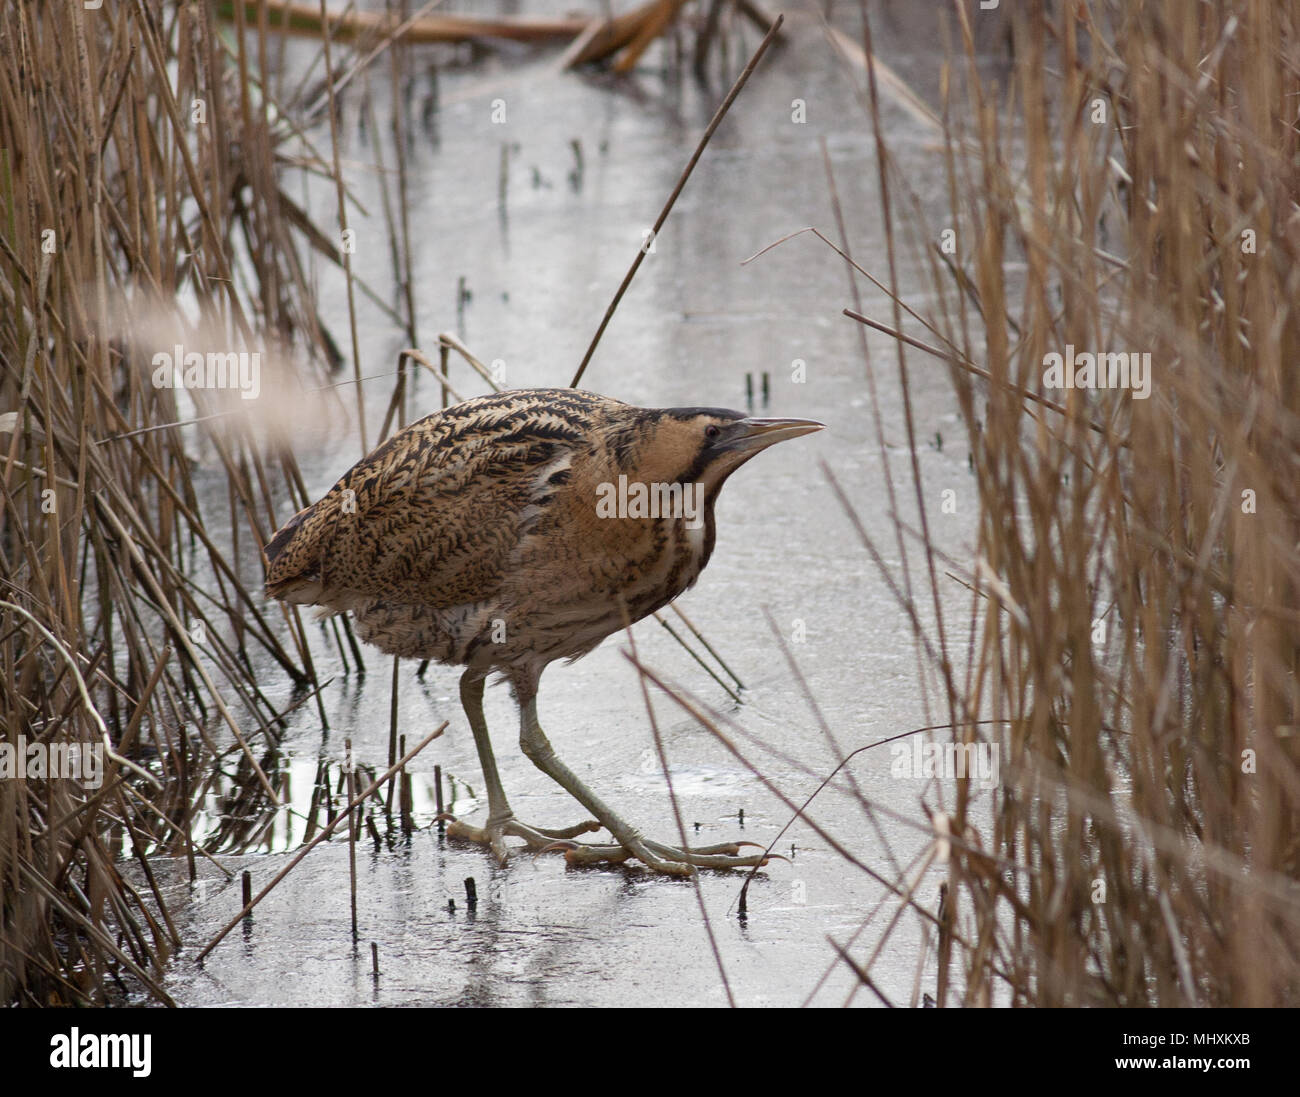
(472, 536)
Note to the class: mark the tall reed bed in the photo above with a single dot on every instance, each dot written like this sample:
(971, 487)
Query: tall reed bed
(1130, 183)
(141, 208)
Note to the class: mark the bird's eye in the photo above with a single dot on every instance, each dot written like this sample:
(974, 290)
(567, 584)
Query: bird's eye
(711, 432)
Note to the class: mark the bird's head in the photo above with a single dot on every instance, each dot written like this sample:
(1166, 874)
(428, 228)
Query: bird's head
(706, 445)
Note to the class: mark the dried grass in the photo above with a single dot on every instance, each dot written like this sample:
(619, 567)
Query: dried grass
(1136, 579)
(119, 209)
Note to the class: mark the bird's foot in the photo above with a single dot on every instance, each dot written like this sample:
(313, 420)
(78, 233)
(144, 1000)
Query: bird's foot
(496, 831)
(661, 858)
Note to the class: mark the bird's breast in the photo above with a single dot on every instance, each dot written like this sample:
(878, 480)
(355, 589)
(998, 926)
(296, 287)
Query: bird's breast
(580, 569)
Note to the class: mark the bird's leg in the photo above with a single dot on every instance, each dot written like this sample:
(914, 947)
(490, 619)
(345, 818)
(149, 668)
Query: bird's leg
(501, 820)
(499, 813)
(629, 843)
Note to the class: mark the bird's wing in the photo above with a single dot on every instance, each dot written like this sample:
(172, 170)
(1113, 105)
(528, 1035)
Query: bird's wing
(432, 516)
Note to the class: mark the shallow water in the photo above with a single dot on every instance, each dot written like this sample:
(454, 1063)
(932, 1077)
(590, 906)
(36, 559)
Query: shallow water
(541, 270)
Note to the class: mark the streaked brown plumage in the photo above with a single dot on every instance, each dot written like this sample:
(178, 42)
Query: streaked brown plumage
(480, 536)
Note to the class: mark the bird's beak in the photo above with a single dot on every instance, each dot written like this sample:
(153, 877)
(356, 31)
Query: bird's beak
(757, 434)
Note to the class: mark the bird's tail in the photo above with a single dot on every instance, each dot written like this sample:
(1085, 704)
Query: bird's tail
(285, 578)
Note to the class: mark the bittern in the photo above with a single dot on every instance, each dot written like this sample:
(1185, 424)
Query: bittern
(518, 528)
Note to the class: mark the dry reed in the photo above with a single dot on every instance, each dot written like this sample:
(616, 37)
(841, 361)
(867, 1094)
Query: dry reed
(139, 195)
(1129, 184)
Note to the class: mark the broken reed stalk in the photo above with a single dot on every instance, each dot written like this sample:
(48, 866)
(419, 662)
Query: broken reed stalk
(354, 25)
(623, 38)
(406, 797)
